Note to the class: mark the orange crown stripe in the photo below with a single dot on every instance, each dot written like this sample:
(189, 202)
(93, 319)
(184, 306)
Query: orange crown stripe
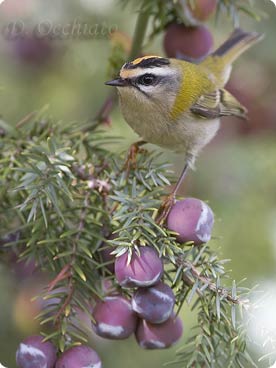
(139, 60)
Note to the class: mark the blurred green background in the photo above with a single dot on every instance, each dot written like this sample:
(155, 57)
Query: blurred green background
(236, 173)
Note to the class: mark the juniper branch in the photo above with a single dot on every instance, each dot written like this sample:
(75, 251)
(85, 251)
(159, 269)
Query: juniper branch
(188, 267)
(104, 201)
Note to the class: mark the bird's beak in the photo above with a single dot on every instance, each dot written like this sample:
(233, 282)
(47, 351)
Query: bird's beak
(118, 82)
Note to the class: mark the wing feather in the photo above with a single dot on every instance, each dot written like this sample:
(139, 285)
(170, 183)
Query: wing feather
(218, 103)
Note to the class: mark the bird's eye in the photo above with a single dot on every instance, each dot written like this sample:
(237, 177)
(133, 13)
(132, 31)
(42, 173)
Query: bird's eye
(147, 79)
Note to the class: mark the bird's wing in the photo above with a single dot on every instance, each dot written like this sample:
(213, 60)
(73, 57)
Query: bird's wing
(218, 103)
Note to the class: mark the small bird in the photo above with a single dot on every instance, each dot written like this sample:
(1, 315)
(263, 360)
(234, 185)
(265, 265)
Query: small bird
(177, 104)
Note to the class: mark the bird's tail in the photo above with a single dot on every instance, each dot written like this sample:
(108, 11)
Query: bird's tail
(238, 42)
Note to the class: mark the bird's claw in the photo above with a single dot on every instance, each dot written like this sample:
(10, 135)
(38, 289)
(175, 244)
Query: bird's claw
(165, 208)
(131, 161)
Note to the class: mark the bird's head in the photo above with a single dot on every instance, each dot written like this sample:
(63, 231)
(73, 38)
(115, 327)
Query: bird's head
(149, 79)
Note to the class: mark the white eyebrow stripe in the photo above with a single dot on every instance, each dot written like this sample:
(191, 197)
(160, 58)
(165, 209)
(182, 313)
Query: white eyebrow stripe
(158, 71)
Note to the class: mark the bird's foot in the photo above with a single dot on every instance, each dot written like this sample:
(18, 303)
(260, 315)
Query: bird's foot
(131, 161)
(165, 208)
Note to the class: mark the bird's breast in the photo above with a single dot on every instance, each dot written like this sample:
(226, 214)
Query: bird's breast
(148, 120)
(187, 134)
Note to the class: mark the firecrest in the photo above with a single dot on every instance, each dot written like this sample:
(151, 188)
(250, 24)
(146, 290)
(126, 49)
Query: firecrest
(177, 104)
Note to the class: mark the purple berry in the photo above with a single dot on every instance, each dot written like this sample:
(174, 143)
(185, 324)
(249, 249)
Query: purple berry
(203, 9)
(159, 336)
(143, 270)
(181, 41)
(33, 352)
(9, 238)
(24, 269)
(33, 51)
(79, 357)
(114, 318)
(192, 219)
(154, 304)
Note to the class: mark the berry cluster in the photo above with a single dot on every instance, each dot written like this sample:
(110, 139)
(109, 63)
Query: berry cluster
(142, 304)
(149, 312)
(34, 353)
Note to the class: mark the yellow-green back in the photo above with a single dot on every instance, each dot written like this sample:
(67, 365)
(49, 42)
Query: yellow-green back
(196, 81)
